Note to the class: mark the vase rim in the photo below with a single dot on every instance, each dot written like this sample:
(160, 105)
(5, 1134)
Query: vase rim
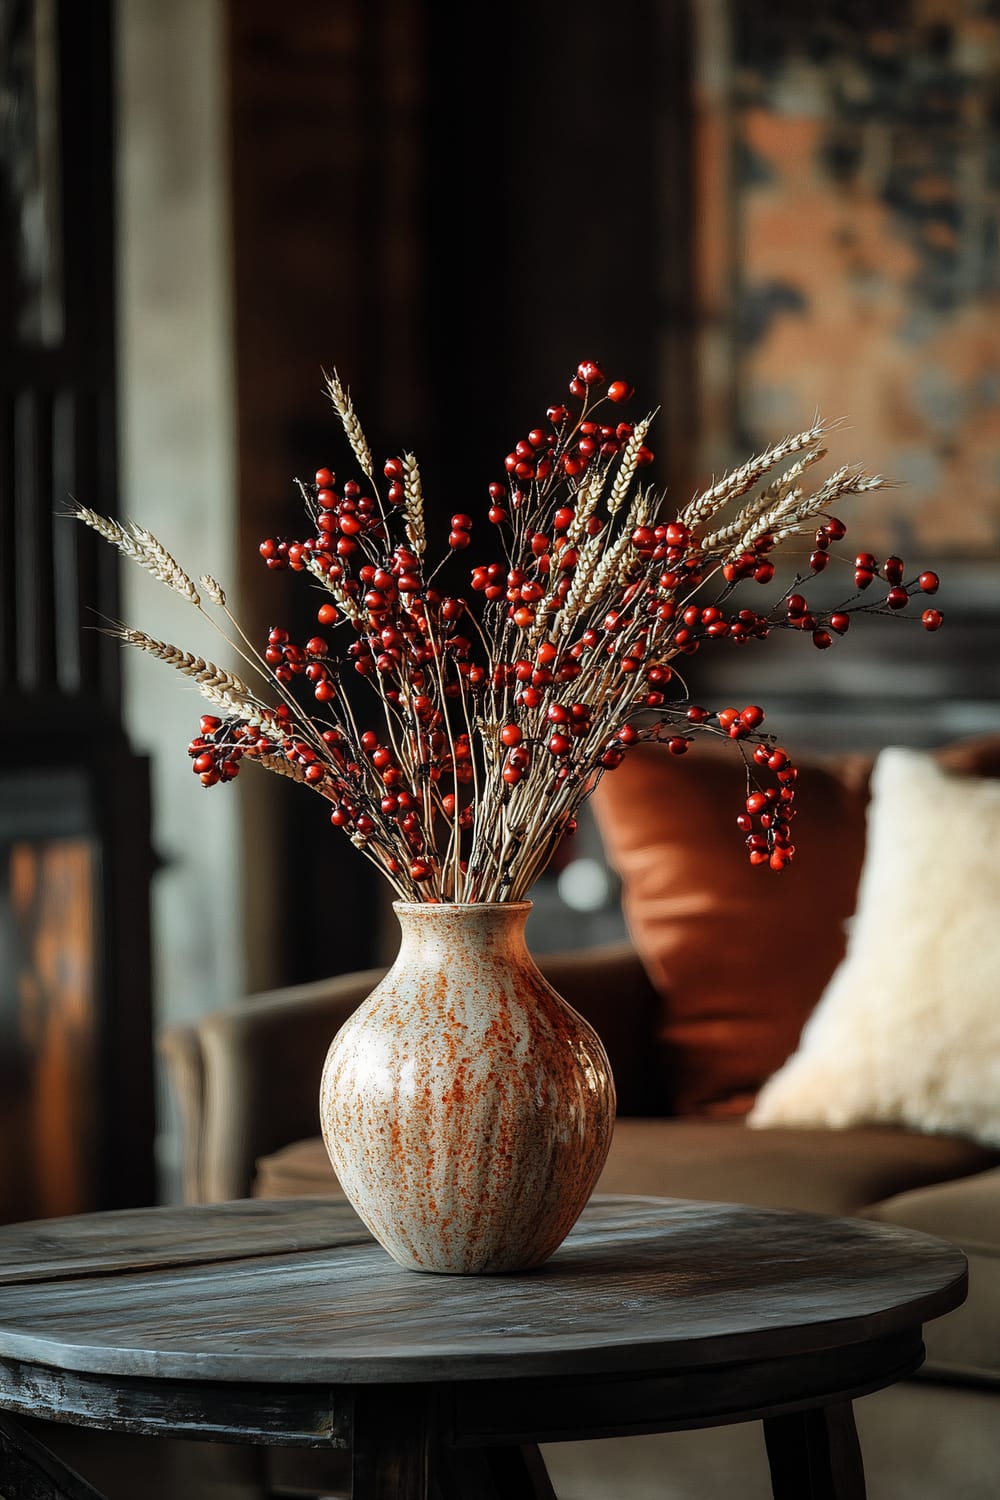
(447, 906)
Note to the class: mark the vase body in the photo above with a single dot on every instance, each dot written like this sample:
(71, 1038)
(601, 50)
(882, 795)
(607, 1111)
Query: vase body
(467, 1109)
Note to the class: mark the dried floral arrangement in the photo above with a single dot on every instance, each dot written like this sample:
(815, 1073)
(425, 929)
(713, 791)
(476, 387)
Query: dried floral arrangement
(501, 704)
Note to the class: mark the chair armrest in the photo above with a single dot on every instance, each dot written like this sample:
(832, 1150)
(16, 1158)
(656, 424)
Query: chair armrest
(260, 1065)
(180, 1048)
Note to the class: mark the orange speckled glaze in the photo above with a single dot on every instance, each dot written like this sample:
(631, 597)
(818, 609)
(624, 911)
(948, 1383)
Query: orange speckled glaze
(466, 1107)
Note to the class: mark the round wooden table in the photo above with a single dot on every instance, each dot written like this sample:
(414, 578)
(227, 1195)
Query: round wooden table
(283, 1323)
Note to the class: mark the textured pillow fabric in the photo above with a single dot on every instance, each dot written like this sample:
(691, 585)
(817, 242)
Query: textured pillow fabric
(738, 956)
(908, 1030)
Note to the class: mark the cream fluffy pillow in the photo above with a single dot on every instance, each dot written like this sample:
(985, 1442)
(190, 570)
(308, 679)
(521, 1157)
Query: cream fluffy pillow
(907, 1032)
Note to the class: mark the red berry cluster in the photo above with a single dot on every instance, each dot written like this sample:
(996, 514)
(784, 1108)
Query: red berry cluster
(502, 708)
(214, 755)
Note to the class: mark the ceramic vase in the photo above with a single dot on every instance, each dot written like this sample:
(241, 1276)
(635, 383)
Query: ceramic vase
(467, 1109)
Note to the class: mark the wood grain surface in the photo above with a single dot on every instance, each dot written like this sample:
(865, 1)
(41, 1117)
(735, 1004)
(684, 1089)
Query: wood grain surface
(297, 1291)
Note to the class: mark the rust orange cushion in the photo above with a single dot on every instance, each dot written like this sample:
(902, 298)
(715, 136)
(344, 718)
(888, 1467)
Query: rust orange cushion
(738, 956)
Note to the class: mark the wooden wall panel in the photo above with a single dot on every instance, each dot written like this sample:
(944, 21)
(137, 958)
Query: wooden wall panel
(453, 208)
(76, 1115)
(48, 1027)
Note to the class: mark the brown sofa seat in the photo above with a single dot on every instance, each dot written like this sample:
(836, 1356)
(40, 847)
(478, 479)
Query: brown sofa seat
(816, 1171)
(301, 1170)
(966, 1344)
(821, 1171)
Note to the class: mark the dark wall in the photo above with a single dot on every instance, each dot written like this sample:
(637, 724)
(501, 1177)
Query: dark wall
(453, 206)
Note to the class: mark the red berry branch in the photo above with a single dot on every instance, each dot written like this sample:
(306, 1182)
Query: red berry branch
(500, 706)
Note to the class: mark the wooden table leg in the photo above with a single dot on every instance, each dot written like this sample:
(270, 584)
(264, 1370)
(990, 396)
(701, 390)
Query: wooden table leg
(815, 1455)
(508, 1473)
(30, 1471)
(393, 1435)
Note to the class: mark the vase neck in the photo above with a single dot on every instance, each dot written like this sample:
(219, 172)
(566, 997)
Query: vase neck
(479, 924)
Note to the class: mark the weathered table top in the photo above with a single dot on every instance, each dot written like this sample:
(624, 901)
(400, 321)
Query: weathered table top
(297, 1291)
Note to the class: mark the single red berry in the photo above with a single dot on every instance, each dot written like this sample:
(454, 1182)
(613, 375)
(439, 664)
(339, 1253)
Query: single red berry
(839, 621)
(510, 735)
(932, 619)
(897, 598)
(822, 639)
(589, 372)
(620, 390)
(892, 570)
(929, 583)
(324, 479)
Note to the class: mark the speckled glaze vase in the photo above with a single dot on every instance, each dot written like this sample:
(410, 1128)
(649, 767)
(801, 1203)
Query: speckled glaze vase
(467, 1108)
